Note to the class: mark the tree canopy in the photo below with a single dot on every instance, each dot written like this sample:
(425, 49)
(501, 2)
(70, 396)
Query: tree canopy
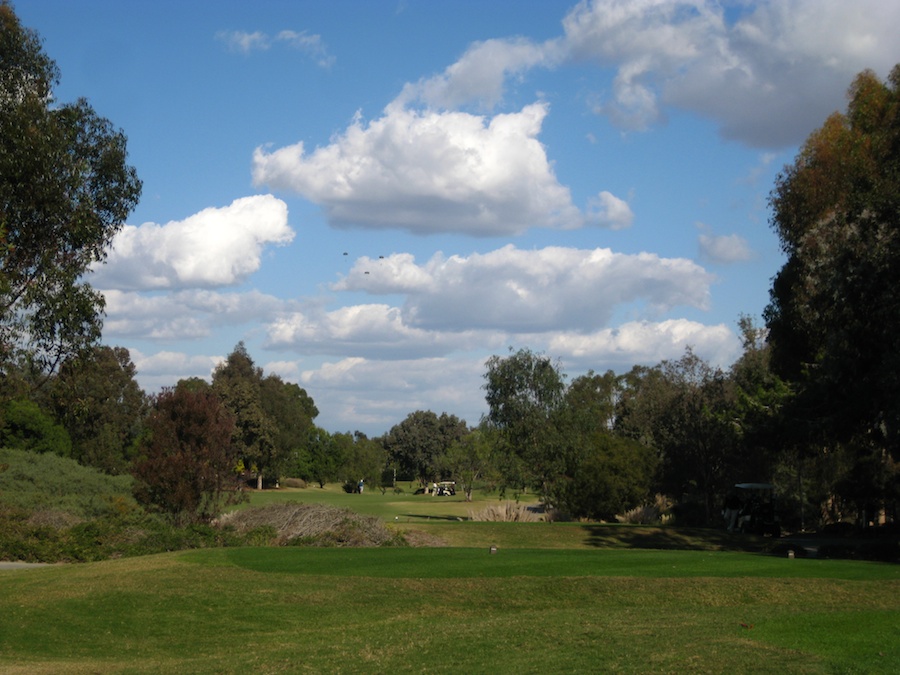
(101, 405)
(523, 390)
(418, 444)
(186, 466)
(833, 318)
(272, 418)
(65, 191)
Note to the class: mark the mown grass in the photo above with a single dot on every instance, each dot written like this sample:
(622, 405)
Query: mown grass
(403, 507)
(555, 597)
(451, 610)
(445, 520)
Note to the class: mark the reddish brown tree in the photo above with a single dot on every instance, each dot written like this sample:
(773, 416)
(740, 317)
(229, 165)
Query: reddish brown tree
(186, 466)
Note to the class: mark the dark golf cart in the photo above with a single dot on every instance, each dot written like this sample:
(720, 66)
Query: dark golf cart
(757, 514)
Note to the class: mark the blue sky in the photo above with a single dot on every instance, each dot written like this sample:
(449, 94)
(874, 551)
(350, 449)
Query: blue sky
(378, 196)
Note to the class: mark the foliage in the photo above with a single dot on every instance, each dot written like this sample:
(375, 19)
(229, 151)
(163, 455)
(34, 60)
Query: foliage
(469, 460)
(238, 383)
(599, 474)
(612, 474)
(318, 459)
(65, 190)
(763, 435)
(29, 537)
(686, 411)
(187, 461)
(833, 320)
(27, 427)
(648, 513)
(53, 509)
(417, 445)
(362, 458)
(523, 390)
(98, 400)
(49, 483)
(273, 418)
(292, 411)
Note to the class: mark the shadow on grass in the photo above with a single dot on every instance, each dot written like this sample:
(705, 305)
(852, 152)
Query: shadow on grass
(650, 537)
(430, 516)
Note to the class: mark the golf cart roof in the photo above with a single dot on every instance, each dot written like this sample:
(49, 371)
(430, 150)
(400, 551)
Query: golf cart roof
(754, 486)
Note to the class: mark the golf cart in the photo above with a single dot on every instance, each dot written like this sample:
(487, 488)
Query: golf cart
(757, 512)
(446, 488)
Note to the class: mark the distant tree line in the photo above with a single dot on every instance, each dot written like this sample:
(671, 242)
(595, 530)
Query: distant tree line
(812, 404)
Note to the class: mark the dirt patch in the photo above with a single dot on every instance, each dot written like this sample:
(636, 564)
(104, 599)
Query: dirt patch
(423, 539)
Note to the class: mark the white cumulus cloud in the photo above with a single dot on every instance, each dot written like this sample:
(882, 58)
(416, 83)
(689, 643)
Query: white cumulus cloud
(429, 172)
(609, 211)
(766, 72)
(382, 394)
(516, 290)
(647, 343)
(481, 73)
(215, 247)
(373, 331)
(183, 315)
(725, 249)
(165, 368)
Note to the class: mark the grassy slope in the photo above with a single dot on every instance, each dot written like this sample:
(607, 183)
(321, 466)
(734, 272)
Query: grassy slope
(555, 598)
(451, 610)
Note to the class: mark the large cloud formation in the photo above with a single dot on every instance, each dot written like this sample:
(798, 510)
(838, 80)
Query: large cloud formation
(215, 247)
(462, 302)
(766, 72)
(430, 172)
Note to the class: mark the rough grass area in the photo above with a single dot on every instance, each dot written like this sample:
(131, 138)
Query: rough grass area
(506, 512)
(313, 525)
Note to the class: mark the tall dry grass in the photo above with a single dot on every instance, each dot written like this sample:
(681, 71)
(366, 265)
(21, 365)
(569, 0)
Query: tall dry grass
(313, 524)
(655, 513)
(506, 512)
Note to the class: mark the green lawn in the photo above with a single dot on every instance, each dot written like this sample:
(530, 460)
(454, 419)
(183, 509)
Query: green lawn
(445, 519)
(555, 597)
(405, 507)
(451, 610)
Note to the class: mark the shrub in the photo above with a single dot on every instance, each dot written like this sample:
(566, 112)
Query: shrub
(506, 512)
(648, 514)
(294, 483)
(46, 482)
(27, 427)
(186, 467)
